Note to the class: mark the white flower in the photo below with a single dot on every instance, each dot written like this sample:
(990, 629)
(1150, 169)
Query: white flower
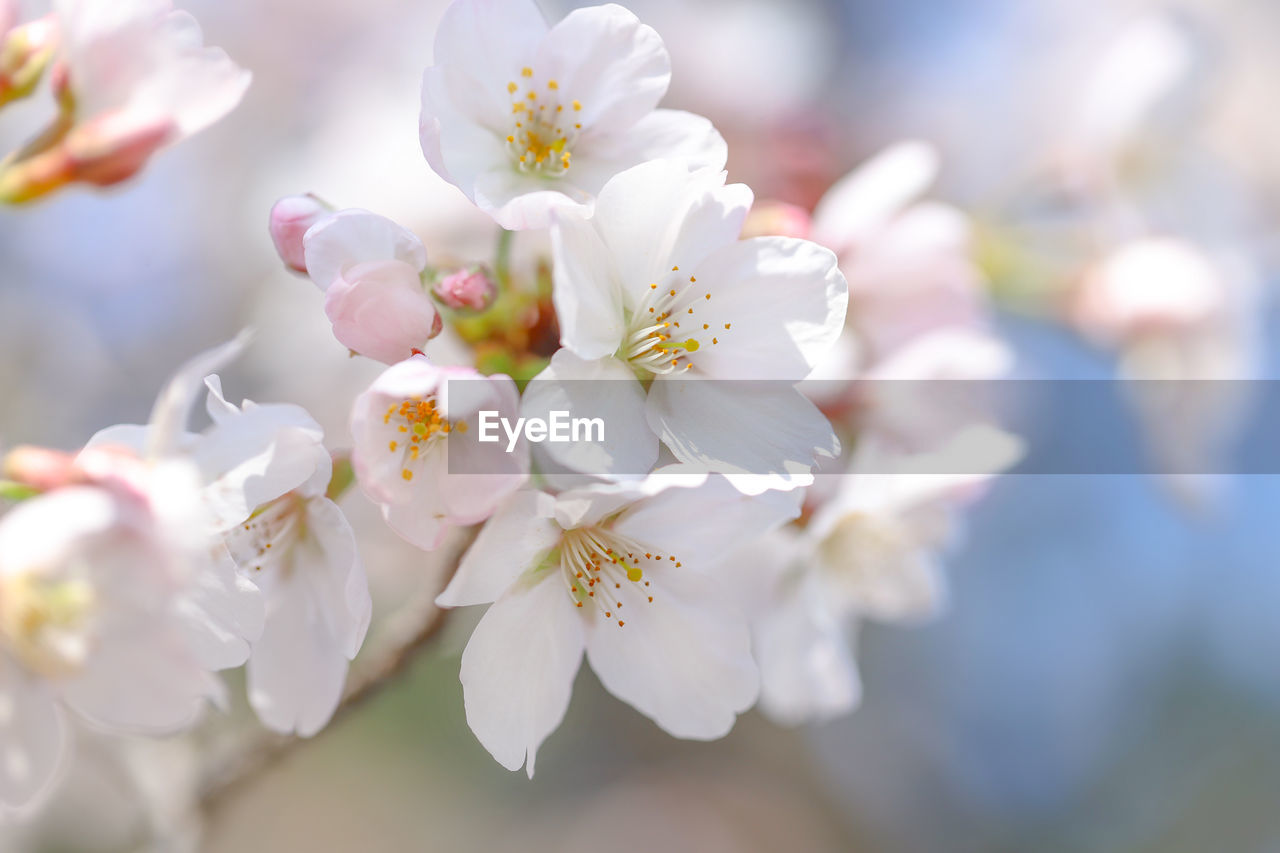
(908, 261)
(417, 451)
(262, 476)
(299, 549)
(870, 553)
(145, 59)
(370, 271)
(1185, 323)
(91, 620)
(656, 290)
(525, 120)
(626, 574)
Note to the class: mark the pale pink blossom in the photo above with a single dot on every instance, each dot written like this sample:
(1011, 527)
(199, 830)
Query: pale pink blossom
(1188, 318)
(418, 453)
(380, 310)
(132, 76)
(1153, 286)
(90, 586)
(371, 272)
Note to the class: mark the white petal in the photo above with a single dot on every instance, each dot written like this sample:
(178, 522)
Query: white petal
(518, 668)
(605, 389)
(689, 139)
(257, 455)
(909, 589)
(869, 196)
(783, 301)
(740, 427)
(886, 482)
(32, 737)
(351, 237)
(658, 215)
(484, 44)
(331, 565)
(807, 668)
(587, 505)
(221, 613)
(588, 294)
(130, 436)
(604, 58)
(142, 681)
(702, 524)
(683, 660)
(200, 85)
(173, 406)
(216, 402)
(456, 147)
(518, 202)
(510, 543)
(296, 674)
(422, 519)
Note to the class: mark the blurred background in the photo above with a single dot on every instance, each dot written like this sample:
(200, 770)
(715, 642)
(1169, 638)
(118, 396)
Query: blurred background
(1105, 677)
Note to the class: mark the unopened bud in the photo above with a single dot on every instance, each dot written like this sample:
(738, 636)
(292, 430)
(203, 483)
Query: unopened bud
(467, 288)
(290, 218)
(777, 219)
(25, 52)
(114, 147)
(40, 468)
(380, 310)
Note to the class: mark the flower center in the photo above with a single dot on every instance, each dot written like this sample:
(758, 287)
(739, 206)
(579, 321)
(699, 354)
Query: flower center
(658, 343)
(865, 548)
(45, 622)
(595, 563)
(545, 126)
(420, 424)
(269, 534)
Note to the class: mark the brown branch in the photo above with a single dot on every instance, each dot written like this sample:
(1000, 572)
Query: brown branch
(407, 632)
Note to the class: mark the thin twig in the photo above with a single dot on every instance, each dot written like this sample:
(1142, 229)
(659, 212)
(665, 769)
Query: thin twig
(407, 632)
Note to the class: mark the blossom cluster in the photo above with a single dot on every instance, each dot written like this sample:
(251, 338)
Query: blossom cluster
(750, 509)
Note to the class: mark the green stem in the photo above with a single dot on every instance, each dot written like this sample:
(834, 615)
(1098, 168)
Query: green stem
(344, 475)
(11, 490)
(502, 258)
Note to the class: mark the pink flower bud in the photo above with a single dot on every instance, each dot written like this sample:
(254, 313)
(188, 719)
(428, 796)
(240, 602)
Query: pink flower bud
(777, 219)
(380, 310)
(467, 288)
(290, 218)
(25, 52)
(40, 468)
(114, 147)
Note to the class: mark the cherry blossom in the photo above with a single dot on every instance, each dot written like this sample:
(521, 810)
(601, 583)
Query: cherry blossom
(417, 451)
(371, 272)
(655, 292)
(526, 120)
(90, 582)
(298, 548)
(618, 573)
(871, 552)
